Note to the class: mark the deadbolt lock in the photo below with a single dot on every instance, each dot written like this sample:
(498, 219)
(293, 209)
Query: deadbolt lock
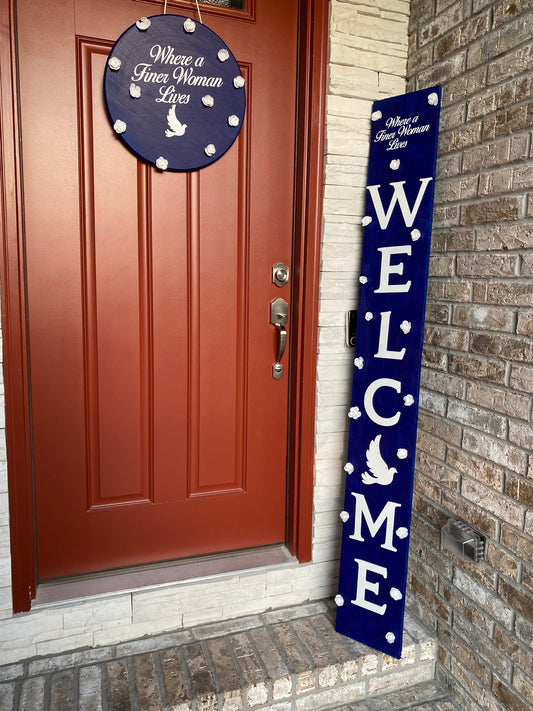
(280, 274)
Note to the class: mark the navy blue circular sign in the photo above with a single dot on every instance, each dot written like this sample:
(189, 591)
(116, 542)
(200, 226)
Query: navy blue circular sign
(174, 92)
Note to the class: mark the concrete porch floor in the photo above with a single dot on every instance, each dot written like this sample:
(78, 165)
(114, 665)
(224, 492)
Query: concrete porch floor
(284, 660)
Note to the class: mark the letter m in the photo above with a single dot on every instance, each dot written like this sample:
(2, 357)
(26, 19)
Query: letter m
(387, 514)
(398, 196)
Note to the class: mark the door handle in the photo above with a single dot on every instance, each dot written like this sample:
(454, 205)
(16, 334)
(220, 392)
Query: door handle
(279, 314)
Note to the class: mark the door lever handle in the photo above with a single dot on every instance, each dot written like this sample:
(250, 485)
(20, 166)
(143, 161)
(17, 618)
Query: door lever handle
(277, 368)
(279, 313)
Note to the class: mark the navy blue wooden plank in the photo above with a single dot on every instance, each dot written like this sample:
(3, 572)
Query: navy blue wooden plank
(387, 361)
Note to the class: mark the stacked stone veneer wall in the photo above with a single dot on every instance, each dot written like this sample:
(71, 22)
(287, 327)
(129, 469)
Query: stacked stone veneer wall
(368, 54)
(475, 434)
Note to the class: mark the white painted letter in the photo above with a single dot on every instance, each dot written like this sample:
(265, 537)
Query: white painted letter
(369, 401)
(387, 268)
(387, 514)
(383, 349)
(363, 585)
(399, 197)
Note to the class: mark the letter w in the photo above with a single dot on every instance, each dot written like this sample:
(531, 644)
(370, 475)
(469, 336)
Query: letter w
(399, 197)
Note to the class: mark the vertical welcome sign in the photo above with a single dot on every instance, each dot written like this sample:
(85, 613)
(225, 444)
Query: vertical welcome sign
(388, 350)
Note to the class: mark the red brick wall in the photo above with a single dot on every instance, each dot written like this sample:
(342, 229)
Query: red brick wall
(475, 432)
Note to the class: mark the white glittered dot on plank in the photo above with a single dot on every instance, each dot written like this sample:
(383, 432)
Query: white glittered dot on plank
(366, 220)
(390, 637)
(369, 316)
(402, 532)
(433, 99)
(405, 327)
(143, 24)
(339, 600)
(401, 453)
(395, 594)
(376, 115)
(415, 235)
(348, 468)
(359, 362)
(208, 101)
(189, 25)
(114, 63)
(223, 54)
(210, 149)
(354, 413)
(394, 164)
(233, 120)
(344, 516)
(408, 400)
(161, 163)
(119, 126)
(363, 279)
(238, 82)
(135, 91)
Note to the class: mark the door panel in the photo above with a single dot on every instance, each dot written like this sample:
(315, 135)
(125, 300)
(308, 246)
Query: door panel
(158, 429)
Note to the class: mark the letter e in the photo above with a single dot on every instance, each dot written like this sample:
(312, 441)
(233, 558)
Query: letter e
(363, 585)
(387, 269)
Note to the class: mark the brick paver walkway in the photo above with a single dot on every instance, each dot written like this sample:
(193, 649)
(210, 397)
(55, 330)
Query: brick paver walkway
(284, 660)
(427, 696)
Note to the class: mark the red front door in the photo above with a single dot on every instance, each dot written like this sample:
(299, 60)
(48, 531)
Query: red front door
(158, 429)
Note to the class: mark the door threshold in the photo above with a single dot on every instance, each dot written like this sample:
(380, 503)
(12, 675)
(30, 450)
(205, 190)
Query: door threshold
(80, 587)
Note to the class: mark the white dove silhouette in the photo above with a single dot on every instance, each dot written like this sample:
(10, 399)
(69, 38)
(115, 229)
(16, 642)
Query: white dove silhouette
(380, 472)
(176, 127)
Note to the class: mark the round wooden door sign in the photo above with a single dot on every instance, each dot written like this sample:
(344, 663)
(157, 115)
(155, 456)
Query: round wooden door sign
(174, 92)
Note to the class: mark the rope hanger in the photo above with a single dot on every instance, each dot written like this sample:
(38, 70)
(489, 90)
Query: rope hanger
(197, 9)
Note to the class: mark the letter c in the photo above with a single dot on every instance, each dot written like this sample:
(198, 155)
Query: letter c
(369, 401)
